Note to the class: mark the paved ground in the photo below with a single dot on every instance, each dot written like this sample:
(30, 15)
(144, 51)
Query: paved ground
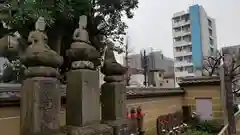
(10, 116)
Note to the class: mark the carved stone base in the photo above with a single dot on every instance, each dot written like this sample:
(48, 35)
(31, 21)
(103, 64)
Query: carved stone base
(40, 106)
(97, 129)
(119, 127)
(41, 71)
(82, 65)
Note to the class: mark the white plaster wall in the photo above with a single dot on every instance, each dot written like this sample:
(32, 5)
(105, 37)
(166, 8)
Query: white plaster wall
(136, 80)
(168, 83)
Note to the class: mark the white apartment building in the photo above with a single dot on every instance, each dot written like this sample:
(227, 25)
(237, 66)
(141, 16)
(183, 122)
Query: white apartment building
(194, 37)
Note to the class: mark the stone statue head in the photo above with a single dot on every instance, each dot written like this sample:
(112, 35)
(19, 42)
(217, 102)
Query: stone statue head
(83, 22)
(40, 24)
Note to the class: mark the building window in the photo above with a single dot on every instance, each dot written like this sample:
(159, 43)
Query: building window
(176, 19)
(210, 32)
(188, 58)
(179, 69)
(211, 41)
(166, 81)
(209, 23)
(186, 17)
(211, 51)
(160, 75)
(177, 39)
(177, 29)
(189, 69)
(178, 59)
(178, 49)
(160, 84)
(187, 38)
(187, 48)
(186, 28)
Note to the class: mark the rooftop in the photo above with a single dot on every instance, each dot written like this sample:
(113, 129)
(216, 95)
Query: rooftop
(200, 80)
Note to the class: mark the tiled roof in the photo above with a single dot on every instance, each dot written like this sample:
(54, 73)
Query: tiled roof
(199, 80)
(12, 91)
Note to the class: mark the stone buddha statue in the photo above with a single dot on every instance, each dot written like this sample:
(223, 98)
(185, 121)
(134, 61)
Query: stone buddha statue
(81, 34)
(82, 53)
(39, 53)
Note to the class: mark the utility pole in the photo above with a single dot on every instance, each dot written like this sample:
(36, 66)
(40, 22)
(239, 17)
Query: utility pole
(145, 66)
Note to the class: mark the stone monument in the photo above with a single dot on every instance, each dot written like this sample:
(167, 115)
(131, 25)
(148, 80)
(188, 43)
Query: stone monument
(83, 92)
(113, 93)
(40, 97)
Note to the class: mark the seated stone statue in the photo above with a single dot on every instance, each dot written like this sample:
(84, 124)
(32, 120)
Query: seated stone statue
(81, 49)
(39, 53)
(81, 34)
(39, 39)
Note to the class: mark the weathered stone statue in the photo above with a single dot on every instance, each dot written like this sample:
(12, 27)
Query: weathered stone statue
(82, 53)
(83, 93)
(113, 93)
(112, 70)
(40, 101)
(38, 57)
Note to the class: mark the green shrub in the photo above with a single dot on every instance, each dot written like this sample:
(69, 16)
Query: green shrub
(196, 132)
(210, 126)
(235, 107)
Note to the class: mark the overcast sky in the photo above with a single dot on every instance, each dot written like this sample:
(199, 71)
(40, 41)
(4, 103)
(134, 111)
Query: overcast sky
(152, 26)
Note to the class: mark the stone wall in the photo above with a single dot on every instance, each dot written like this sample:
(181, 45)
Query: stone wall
(155, 107)
(154, 102)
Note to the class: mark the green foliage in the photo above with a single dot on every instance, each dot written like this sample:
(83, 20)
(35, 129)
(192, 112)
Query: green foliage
(105, 21)
(236, 109)
(210, 126)
(196, 132)
(104, 16)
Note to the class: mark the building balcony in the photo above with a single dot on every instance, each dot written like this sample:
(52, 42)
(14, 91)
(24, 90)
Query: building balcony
(181, 33)
(183, 74)
(182, 63)
(182, 53)
(182, 43)
(180, 23)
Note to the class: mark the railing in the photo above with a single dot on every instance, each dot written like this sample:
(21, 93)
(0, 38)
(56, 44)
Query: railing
(237, 116)
(224, 130)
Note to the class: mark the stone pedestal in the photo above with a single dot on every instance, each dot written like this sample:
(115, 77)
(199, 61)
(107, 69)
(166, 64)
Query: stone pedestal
(120, 127)
(83, 93)
(113, 101)
(40, 106)
(95, 129)
(114, 107)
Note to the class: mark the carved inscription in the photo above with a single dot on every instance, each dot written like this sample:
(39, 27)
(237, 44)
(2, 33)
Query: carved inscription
(49, 106)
